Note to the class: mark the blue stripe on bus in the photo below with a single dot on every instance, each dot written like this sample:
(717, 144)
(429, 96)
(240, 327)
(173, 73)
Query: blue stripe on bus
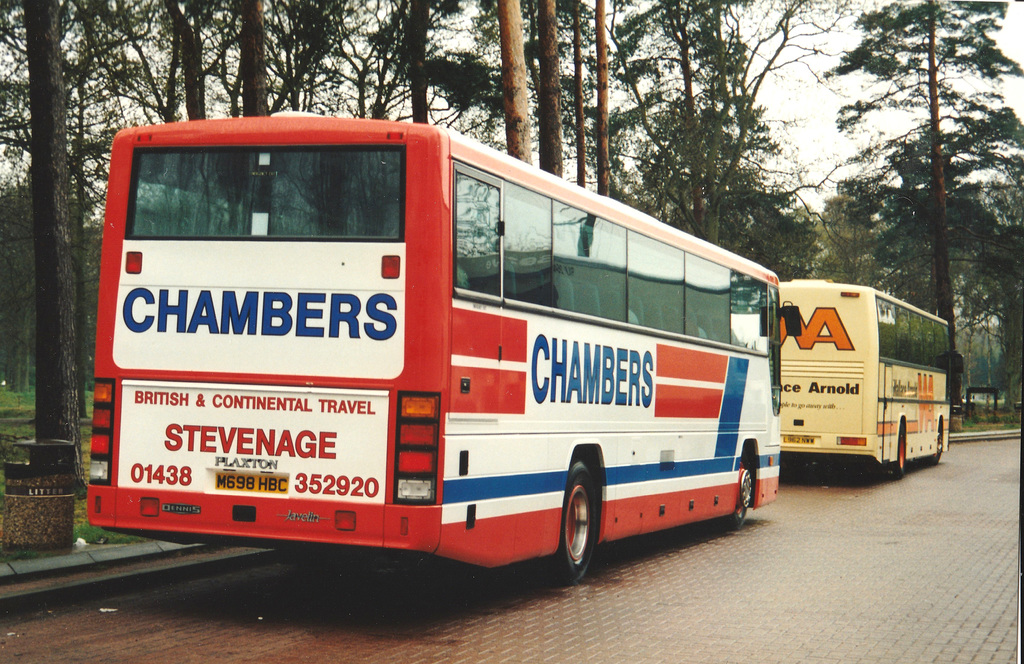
(469, 489)
(732, 407)
(466, 490)
(666, 470)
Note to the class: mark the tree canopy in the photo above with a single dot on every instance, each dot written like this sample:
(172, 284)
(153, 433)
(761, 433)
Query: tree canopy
(689, 127)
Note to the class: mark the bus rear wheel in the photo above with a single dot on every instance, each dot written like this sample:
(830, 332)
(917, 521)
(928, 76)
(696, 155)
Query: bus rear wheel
(899, 467)
(938, 445)
(578, 531)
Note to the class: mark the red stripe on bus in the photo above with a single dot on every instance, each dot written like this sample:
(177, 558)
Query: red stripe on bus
(502, 540)
(475, 334)
(479, 334)
(313, 519)
(680, 401)
(513, 339)
(689, 364)
(488, 391)
(765, 491)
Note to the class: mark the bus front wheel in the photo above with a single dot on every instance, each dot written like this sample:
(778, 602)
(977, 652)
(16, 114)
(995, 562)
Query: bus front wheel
(578, 532)
(744, 499)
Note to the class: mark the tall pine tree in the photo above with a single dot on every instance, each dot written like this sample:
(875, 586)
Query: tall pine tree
(935, 67)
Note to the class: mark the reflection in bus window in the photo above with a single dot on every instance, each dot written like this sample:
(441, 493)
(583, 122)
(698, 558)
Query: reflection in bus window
(748, 297)
(477, 211)
(527, 246)
(902, 334)
(655, 284)
(886, 329)
(303, 193)
(590, 264)
(707, 299)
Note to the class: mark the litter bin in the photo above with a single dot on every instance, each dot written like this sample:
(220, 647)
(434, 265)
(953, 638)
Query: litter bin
(39, 499)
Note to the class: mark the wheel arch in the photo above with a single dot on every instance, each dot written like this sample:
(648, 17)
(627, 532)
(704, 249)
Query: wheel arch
(751, 460)
(592, 455)
(750, 457)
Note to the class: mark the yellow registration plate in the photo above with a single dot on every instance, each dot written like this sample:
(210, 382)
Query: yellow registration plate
(799, 440)
(252, 483)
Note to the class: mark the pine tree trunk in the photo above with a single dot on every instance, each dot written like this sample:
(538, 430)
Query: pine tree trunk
(513, 80)
(419, 21)
(601, 135)
(690, 104)
(581, 134)
(252, 67)
(56, 382)
(549, 96)
(940, 240)
(191, 61)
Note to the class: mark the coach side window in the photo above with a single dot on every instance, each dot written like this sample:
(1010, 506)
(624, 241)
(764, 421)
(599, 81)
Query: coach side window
(527, 246)
(590, 264)
(477, 213)
(655, 284)
(886, 329)
(707, 299)
(748, 297)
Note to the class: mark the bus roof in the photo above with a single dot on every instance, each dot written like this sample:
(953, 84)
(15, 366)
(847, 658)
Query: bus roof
(473, 153)
(826, 285)
(310, 129)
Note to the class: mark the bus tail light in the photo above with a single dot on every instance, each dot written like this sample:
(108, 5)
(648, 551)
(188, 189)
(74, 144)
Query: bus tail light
(413, 462)
(417, 433)
(851, 440)
(133, 262)
(391, 267)
(101, 442)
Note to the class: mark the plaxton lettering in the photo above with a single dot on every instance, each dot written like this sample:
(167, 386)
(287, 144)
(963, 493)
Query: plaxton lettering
(250, 442)
(270, 313)
(254, 464)
(590, 374)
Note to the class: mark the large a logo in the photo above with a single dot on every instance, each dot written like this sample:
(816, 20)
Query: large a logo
(824, 327)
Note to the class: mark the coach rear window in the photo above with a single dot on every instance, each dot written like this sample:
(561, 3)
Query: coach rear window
(331, 193)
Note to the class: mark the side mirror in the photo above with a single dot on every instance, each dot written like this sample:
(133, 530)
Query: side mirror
(950, 361)
(790, 314)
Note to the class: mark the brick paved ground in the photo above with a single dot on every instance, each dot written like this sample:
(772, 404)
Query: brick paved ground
(920, 570)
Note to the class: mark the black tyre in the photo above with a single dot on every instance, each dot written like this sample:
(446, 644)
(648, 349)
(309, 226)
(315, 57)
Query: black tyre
(938, 444)
(899, 466)
(744, 499)
(578, 532)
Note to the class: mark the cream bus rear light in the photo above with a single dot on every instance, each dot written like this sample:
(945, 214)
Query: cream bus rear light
(849, 440)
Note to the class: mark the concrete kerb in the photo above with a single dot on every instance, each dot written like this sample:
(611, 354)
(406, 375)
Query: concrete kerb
(29, 584)
(89, 555)
(974, 437)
